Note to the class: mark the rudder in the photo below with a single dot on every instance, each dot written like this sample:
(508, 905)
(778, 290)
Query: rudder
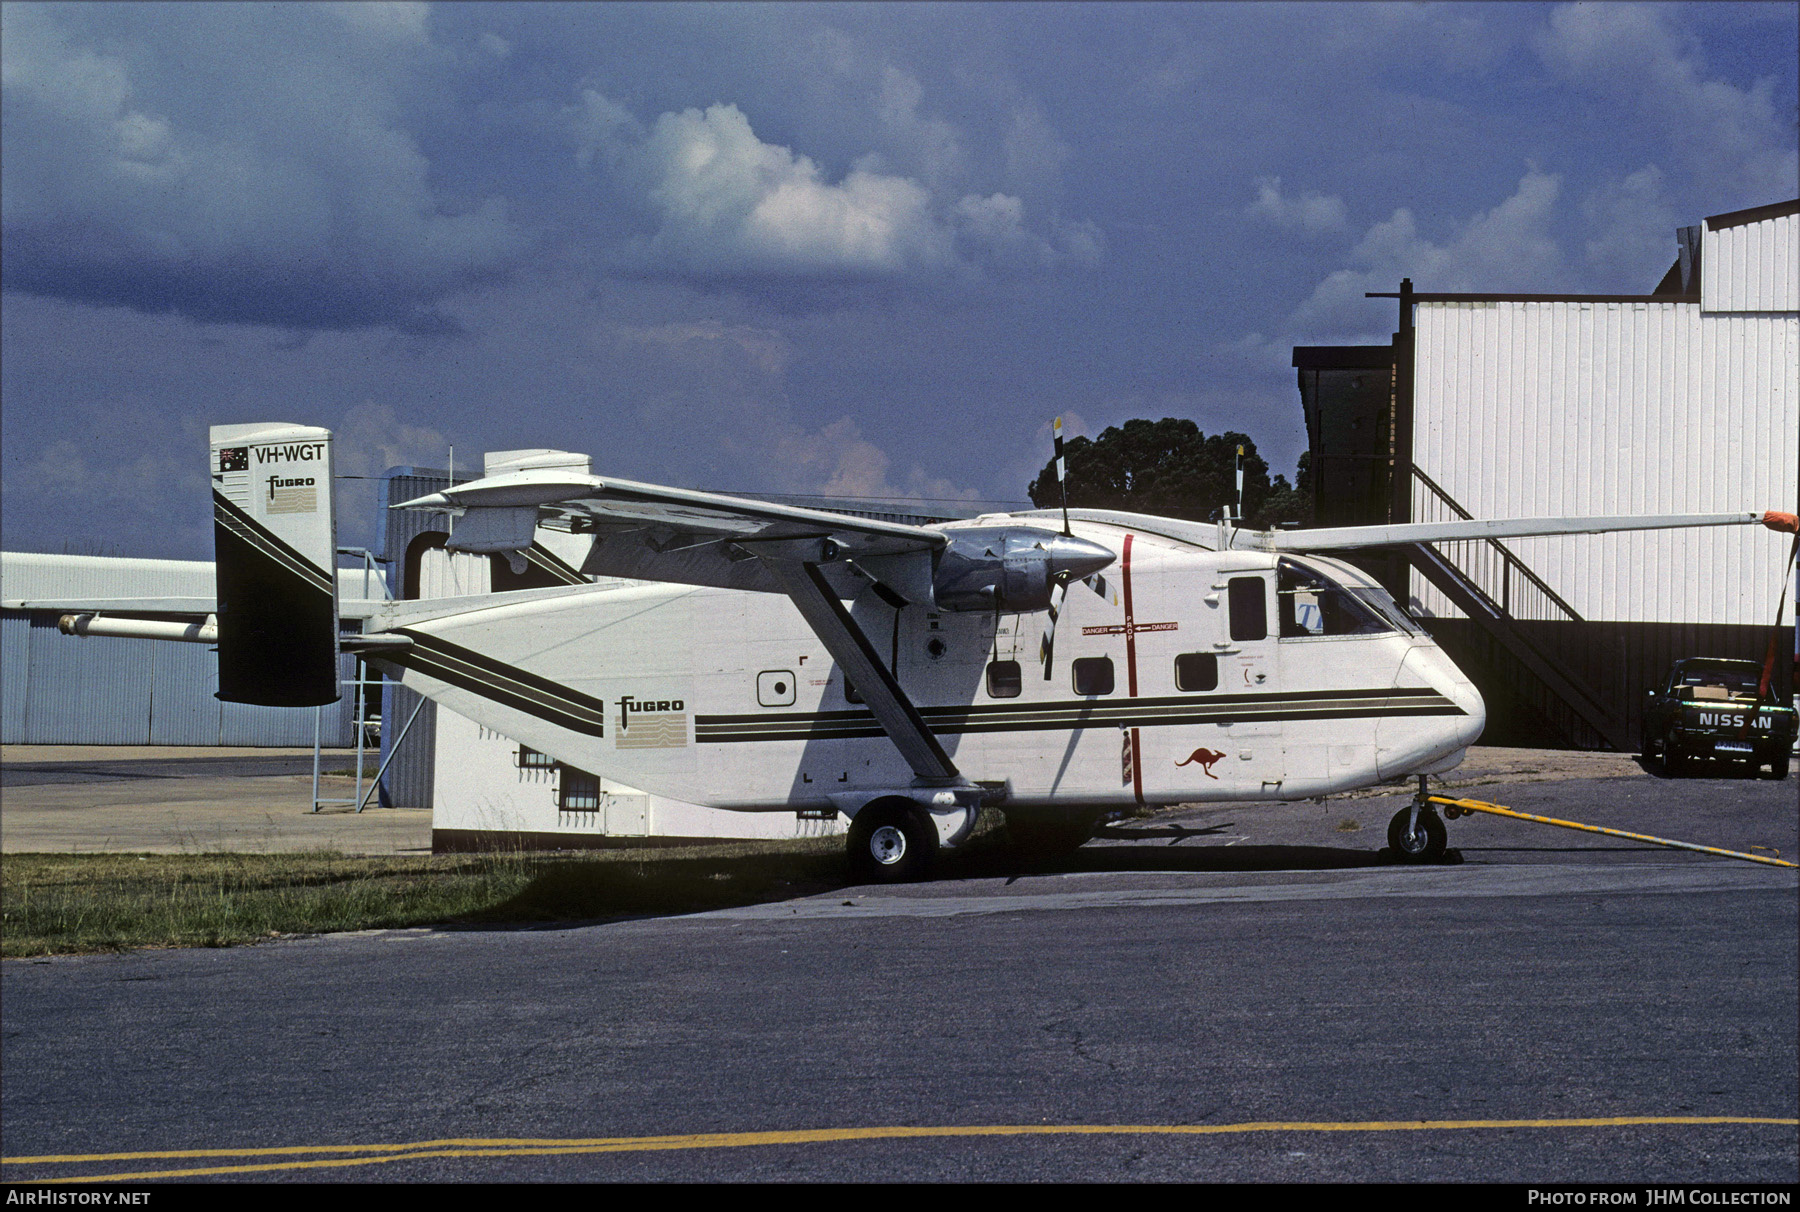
(275, 552)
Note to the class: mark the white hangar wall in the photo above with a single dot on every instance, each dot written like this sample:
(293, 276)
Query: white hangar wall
(1528, 409)
(1654, 405)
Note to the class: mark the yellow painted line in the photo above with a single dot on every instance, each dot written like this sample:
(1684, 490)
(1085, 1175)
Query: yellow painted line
(1497, 810)
(534, 1147)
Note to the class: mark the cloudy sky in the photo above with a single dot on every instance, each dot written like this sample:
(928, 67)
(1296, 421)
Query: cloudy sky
(864, 250)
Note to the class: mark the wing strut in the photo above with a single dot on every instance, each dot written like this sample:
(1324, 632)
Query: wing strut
(825, 614)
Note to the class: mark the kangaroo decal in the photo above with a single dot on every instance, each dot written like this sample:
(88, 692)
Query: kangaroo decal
(1206, 758)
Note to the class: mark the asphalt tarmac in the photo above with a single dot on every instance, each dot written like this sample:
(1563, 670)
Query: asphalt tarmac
(1236, 993)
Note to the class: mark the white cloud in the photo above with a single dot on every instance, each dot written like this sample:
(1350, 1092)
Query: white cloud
(728, 204)
(1634, 241)
(1508, 248)
(932, 145)
(765, 349)
(1629, 51)
(1310, 212)
(231, 163)
(838, 461)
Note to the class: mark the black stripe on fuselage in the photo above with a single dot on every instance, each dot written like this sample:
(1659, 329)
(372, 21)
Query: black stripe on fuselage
(505, 684)
(1087, 713)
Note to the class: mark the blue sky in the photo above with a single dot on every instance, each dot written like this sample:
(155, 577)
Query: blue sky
(860, 249)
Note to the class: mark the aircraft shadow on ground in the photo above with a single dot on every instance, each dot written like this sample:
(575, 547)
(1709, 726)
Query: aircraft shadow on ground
(1161, 855)
(570, 892)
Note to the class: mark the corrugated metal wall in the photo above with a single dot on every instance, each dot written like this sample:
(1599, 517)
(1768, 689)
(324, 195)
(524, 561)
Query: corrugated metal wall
(64, 690)
(407, 783)
(1751, 266)
(1549, 408)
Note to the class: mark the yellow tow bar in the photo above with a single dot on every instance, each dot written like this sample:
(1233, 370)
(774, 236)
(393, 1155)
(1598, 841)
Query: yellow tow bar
(1456, 808)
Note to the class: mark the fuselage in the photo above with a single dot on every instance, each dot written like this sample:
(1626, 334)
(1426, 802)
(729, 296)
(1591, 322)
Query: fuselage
(1197, 675)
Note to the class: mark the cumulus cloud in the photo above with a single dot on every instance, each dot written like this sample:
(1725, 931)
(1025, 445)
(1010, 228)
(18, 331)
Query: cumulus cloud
(1629, 51)
(232, 163)
(1311, 213)
(369, 439)
(837, 460)
(144, 473)
(725, 384)
(726, 204)
(1634, 226)
(1507, 248)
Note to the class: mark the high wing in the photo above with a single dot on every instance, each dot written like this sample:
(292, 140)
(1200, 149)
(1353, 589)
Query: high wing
(654, 532)
(1215, 536)
(1339, 538)
(657, 533)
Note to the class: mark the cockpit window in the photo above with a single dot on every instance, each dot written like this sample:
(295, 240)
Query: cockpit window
(1377, 599)
(1312, 604)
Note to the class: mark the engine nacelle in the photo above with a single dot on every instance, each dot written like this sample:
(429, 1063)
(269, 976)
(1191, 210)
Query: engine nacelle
(1011, 569)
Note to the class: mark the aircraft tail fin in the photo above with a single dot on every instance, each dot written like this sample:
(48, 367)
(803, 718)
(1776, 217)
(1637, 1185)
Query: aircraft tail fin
(275, 552)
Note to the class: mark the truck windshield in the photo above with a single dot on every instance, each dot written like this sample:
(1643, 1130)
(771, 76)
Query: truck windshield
(1697, 680)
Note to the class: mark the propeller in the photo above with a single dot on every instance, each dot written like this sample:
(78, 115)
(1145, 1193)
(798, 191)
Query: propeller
(1059, 585)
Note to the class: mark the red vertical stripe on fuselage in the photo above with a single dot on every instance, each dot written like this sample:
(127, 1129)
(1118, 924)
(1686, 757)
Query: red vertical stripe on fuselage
(1137, 754)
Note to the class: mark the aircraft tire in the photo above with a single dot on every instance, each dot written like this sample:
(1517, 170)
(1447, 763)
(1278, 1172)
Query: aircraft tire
(1424, 846)
(891, 842)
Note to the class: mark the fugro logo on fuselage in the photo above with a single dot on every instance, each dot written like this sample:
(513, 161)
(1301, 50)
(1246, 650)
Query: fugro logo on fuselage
(657, 724)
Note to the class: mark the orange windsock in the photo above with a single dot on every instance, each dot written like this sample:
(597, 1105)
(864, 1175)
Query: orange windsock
(1787, 523)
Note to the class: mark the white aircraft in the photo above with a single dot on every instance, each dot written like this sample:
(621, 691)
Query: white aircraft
(907, 677)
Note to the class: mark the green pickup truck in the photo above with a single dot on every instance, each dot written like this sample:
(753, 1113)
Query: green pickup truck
(1707, 709)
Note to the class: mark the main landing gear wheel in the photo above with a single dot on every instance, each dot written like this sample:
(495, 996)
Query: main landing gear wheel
(891, 842)
(1424, 844)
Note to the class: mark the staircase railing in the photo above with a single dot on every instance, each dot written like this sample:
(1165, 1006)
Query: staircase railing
(1498, 591)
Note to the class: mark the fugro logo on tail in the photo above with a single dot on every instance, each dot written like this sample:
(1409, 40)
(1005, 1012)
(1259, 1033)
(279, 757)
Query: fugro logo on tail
(275, 545)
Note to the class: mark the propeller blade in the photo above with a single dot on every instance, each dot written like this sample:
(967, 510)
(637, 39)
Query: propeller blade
(1098, 584)
(1047, 646)
(1062, 479)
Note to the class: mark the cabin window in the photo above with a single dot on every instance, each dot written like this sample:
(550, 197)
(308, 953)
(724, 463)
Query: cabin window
(1196, 671)
(531, 759)
(578, 791)
(1093, 675)
(1249, 608)
(1311, 604)
(1004, 680)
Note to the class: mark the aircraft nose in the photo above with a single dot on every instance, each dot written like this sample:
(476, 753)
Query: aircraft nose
(1075, 558)
(1403, 743)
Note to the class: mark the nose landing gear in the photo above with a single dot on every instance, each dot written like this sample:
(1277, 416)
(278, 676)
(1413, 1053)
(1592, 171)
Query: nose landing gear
(1416, 834)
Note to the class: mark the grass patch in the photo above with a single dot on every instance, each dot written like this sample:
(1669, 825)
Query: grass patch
(70, 903)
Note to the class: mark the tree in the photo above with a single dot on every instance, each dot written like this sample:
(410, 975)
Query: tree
(1170, 469)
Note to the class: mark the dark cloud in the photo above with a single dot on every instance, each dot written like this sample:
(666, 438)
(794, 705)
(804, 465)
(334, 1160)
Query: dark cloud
(233, 163)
